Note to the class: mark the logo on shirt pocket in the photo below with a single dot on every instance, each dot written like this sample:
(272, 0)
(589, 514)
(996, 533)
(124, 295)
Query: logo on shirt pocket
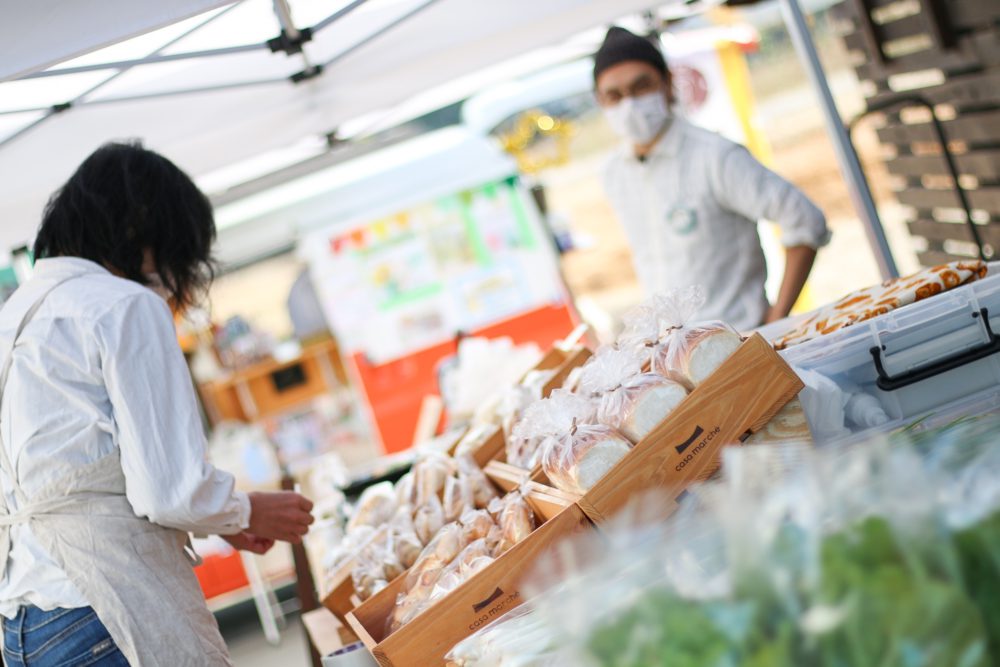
(682, 220)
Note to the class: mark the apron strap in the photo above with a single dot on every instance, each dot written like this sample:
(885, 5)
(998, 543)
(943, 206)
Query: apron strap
(6, 464)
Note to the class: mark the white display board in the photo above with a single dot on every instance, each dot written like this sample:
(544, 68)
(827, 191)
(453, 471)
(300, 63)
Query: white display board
(413, 279)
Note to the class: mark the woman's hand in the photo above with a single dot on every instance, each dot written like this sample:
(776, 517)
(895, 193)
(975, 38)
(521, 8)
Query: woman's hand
(281, 515)
(249, 542)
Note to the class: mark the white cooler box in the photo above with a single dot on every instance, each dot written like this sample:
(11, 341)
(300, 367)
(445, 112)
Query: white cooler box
(936, 355)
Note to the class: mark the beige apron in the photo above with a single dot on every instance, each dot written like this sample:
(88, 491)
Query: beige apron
(135, 574)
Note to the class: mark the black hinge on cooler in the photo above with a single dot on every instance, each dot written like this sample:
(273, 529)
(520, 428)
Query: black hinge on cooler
(887, 382)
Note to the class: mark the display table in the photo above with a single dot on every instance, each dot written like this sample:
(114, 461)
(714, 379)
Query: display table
(271, 387)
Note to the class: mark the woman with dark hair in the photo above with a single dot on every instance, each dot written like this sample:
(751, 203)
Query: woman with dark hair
(102, 453)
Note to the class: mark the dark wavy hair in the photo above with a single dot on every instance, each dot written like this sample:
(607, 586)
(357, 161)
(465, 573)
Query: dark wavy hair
(123, 200)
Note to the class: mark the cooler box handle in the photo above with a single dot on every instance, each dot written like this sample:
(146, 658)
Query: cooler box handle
(887, 382)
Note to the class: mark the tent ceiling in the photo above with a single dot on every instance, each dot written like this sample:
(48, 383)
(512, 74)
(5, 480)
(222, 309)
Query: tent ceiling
(377, 57)
(40, 33)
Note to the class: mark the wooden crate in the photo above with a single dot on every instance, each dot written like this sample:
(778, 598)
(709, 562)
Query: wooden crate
(566, 361)
(492, 448)
(947, 52)
(339, 599)
(509, 477)
(734, 402)
(480, 600)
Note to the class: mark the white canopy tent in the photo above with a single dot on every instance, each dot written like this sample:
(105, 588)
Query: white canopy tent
(198, 81)
(377, 55)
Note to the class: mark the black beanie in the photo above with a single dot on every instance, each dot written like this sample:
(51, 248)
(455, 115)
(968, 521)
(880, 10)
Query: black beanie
(621, 46)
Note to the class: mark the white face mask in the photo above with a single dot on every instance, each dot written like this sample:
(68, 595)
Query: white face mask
(639, 119)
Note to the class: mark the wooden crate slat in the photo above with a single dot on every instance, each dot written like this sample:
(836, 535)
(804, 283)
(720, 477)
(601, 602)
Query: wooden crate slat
(984, 164)
(978, 89)
(974, 128)
(939, 232)
(973, 14)
(983, 198)
(965, 15)
(973, 52)
(937, 257)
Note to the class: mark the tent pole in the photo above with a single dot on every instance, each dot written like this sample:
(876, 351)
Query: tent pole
(381, 31)
(284, 14)
(850, 166)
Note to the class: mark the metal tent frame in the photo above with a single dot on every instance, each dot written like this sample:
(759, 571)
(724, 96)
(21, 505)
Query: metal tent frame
(291, 39)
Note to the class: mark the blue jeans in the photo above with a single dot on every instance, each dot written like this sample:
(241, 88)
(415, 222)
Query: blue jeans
(58, 638)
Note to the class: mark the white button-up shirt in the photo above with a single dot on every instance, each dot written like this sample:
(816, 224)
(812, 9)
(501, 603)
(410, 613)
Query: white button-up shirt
(99, 368)
(690, 212)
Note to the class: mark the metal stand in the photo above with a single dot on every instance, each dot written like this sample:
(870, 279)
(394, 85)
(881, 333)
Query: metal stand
(305, 587)
(850, 166)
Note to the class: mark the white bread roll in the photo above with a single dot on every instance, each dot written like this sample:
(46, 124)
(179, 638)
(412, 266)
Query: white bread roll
(576, 462)
(706, 351)
(647, 406)
(788, 425)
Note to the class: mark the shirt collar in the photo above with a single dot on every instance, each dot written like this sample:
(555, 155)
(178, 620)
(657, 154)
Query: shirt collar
(63, 265)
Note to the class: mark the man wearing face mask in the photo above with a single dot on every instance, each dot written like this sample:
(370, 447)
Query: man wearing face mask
(690, 199)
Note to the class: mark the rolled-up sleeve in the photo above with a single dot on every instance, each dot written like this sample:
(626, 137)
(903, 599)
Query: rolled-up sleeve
(745, 186)
(159, 431)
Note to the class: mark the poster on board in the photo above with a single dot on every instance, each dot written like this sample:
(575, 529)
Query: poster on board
(416, 278)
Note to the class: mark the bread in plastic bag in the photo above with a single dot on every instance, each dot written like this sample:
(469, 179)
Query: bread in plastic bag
(629, 401)
(788, 425)
(406, 491)
(545, 418)
(407, 544)
(421, 578)
(480, 525)
(475, 557)
(376, 506)
(375, 564)
(515, 520)
(482, 490)
(577, 452)
(576, 461)
(429, 475)
(666, 328)
(458, 497)
(428, 519)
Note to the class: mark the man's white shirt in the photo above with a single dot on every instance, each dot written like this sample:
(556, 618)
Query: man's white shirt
(690, 212)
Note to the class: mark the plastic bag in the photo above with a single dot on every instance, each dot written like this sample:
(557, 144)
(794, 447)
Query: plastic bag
(515, 519)
(375, 565)
(630, 401)
(407, 544)
(406, 490)
(474, 439)
(796, 556)
(458, 497)
(429, 475)
(552, 416)
(534, 381)
(520, 638)
(482, 490)
(666, 329)
(575, 452)
(480, 525)
(422, 577)
(428, 519)
(376, 506)
(473, 559)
